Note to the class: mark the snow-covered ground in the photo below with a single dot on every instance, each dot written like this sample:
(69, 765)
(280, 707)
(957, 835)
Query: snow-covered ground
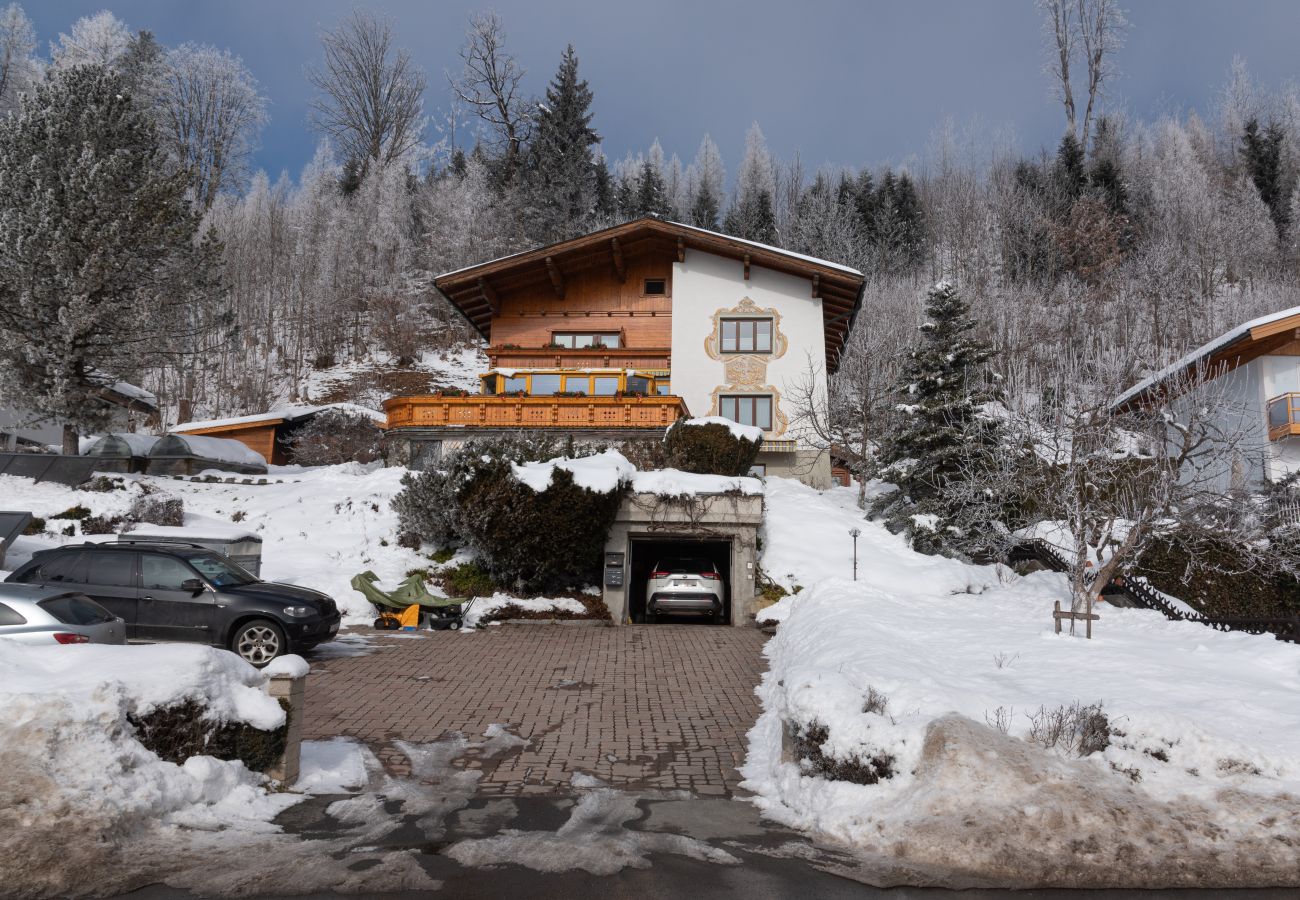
(458, 368)
(1200, 783)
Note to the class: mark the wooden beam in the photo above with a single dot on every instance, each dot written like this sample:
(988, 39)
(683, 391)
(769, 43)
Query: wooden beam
(557, 281)
(747, 267)
(681, 249)
(620, 265)
(487, 293)
(817, 285)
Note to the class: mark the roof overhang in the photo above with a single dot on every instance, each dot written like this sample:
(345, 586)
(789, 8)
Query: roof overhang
(475, 291)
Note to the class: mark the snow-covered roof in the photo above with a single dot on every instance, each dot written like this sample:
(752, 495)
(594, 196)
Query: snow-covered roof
(288, 414)
(204, 447)
(1203, 353)
(137, 444)
(122, 388)
(767, 248)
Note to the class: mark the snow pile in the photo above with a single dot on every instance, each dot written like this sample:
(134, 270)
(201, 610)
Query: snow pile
(338, 766)
(741, 432)
(221, 450)
(485, 607)
(77, 782)
(601, 473)
(939, 676)
(675, 483)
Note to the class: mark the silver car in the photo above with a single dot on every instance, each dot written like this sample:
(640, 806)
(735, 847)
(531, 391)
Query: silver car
(31, 614)
(684, 585)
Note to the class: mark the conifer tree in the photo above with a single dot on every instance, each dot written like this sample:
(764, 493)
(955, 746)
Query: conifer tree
(1261, 152)
(98, 266)
(561, 173)
(944, 383)
(704, 208)
(651, 194)
(753, 216)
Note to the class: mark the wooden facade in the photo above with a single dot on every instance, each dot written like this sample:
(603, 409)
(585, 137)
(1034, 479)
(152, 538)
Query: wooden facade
(533, 412)
(261, 436)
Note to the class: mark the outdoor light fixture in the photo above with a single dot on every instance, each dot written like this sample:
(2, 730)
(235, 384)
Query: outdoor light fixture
(853, 533)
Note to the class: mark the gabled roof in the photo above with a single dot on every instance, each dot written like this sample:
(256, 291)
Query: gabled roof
(473, 290)
(1247, 341)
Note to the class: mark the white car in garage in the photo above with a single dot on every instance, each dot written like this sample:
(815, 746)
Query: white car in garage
(684, 584)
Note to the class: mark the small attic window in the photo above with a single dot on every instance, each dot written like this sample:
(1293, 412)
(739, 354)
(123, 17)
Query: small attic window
(656, 287)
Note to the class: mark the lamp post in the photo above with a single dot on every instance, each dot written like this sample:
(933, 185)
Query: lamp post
(854, 532)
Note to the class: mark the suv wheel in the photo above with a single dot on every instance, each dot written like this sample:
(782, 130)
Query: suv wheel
(258, 642)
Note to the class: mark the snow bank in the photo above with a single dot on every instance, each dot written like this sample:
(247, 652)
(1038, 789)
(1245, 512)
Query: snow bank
(485, 607)
(77, 782)
(1198, 785)
(221, 450)
(675, 483)
(742, 432)
(601, 473)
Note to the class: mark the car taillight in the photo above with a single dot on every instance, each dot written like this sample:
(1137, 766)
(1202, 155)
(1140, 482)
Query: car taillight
(712, 575)
(660, 574)
(64, 637)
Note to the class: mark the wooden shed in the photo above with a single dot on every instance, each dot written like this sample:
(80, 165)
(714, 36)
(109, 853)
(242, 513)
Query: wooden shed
(271, 434)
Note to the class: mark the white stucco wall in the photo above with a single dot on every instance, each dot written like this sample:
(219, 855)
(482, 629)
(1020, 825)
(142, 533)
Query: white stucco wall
(705, 284)
(1278, 375)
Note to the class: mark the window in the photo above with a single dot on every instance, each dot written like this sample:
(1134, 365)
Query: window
(656, 287)
(163, 573)
(9, 617)
(545, 385)
(747, 410)
(69, 568)
(664, 387)
(514, 384)
(111, 569)
(220, 571)
(583, 340)
(758, 470)
(577, 384)
(1278, 412)
(75, 610)
(605, 385)
(638, 385)
(746, 335)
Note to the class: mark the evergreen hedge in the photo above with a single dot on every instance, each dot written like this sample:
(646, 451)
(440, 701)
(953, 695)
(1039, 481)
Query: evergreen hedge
(1215, 577)
(709, 449)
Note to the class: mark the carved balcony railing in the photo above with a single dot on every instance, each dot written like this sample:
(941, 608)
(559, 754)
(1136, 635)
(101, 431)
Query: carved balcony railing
(488, 411)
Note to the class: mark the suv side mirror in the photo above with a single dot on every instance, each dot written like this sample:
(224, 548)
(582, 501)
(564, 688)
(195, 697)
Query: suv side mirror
(193, 585)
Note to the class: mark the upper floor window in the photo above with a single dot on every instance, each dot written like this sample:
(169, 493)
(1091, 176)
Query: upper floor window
(655, 287)
(746, 335)
(580, 340)
(747, 409)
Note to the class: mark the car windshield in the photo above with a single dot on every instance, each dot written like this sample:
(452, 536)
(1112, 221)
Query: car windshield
(219, 571)
(685, 566)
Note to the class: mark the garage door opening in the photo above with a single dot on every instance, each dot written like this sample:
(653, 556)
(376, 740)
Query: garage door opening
(648, 552)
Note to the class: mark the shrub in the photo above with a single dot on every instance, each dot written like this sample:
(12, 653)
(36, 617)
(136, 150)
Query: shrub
(179, 731)
(1075, 729)
(709, 449)
(442, 556)
(102, 484)
(808, 741)
(73, 512)
(1218, 578)
(537, 540)
(101, 524)
(35, 526)
(157, 509)
(338, 436)
(467, 580)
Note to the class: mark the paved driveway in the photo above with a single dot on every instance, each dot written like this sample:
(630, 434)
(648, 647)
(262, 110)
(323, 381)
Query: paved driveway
(661, 706)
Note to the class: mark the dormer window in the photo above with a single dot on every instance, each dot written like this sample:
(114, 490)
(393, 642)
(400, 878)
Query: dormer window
(655, 287)
(746, 335)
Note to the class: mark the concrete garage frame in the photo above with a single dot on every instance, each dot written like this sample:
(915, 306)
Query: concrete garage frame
(733, 518)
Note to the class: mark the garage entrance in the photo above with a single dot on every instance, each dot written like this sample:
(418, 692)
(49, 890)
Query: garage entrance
(649, 551)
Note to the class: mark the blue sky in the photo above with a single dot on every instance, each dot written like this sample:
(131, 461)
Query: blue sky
(853, 83)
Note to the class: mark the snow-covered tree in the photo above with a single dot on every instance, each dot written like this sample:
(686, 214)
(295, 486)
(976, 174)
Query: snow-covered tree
(97, 261)
(19, 67)
(944, 387)
(753, 215)
(560, 177)
(98, 40)
(707, 179)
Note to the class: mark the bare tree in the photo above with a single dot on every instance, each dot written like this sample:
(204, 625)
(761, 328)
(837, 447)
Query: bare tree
(371, 94)
(210, 111)
(19, 67)
(1094, 28)
(491, 84)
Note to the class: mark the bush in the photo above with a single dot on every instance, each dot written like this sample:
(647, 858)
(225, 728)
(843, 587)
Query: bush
(1217, 578)
(709, 449)
(157, 509)
(35, 526)
(179, 731)
(808, 741)
(338, 436)
(467, 580)
(74, 512)
(101, 524)
(537, 540)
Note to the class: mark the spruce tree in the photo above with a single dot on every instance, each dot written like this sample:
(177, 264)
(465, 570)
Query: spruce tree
(651, 195)
(1261, 152)
(98, 264)
(945, 382)
(704, 208)
(561, 172)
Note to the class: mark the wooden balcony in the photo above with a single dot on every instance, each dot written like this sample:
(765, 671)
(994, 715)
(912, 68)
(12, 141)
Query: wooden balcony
(486, 411)
(584, 358)
(1284, 416)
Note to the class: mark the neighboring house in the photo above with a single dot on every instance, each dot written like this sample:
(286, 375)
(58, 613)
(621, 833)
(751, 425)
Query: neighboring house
(1251, 375)
(270, 434)
(616, 334)
(130, 408)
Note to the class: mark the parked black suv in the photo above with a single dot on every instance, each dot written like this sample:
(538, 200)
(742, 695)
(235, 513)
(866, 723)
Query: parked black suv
(184, 592)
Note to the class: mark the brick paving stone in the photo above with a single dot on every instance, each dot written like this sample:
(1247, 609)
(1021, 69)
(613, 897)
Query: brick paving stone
(664, 706)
